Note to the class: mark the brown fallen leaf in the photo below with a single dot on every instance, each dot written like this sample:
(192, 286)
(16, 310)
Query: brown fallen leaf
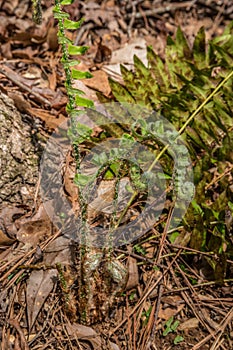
(167, 313)
(103, 53)
(51, 121)
(8, 217)
(133, 279)
(52, 78)
(4, 239)
(99, 82)
(19, 101)
(84, 333)
(51, 39)
(88, 334)
(189, 324)
(32, 232)
(39, 285)
(34, 229)
(58, 251)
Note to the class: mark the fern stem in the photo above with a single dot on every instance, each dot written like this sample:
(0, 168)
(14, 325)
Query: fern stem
(182, 129)
(65, 57)
(205, 102)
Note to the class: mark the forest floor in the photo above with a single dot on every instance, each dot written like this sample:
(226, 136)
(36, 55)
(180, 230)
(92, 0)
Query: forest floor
(172, 304)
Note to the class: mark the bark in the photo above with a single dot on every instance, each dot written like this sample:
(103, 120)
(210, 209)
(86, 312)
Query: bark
(18, 156)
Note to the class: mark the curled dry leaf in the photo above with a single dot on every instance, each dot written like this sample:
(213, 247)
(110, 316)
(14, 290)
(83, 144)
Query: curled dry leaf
(4, 239)
(41, 282)
(7, 223)
(133, 279)
(126, 54)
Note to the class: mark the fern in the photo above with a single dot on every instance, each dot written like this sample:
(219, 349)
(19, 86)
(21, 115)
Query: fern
(182, 88)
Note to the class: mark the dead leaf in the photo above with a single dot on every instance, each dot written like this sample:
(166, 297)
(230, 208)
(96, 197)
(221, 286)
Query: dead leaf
(19, 101)
(34, 229)
(94, 13)
(52, 78)
(6, 49)
(99, 82)
(32, 232)
(69, 185)
(189, 324)
(114, 346)
(167, 313)
(183, 238)
(58, 251)
(133, 279)
(88, 334)
(8, 218)
(125, 55)
(4, 239)
(170, 306)
(39, 286)
(51, 39)
(103, 53)
(51, 121)
(9, 6)
(84, 333)
(26, 53)
(102, 200)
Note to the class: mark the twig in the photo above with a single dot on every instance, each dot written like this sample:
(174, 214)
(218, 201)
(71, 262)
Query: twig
(15, 324)
(200, 285)
(198, 311)
(221, 329)
(132, 20)
(24, 256)
(136, 256)
(155, 316)
(165, 8)
(219, 177)
(143, 298)
(212, 5)
(14, 78)
(133, 3)
(164, 235)
(82, 30)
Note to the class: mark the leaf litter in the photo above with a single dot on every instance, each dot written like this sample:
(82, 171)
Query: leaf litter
(32, 77)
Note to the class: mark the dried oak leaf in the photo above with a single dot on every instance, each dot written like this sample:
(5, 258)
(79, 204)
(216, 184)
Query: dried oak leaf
(39, 286)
